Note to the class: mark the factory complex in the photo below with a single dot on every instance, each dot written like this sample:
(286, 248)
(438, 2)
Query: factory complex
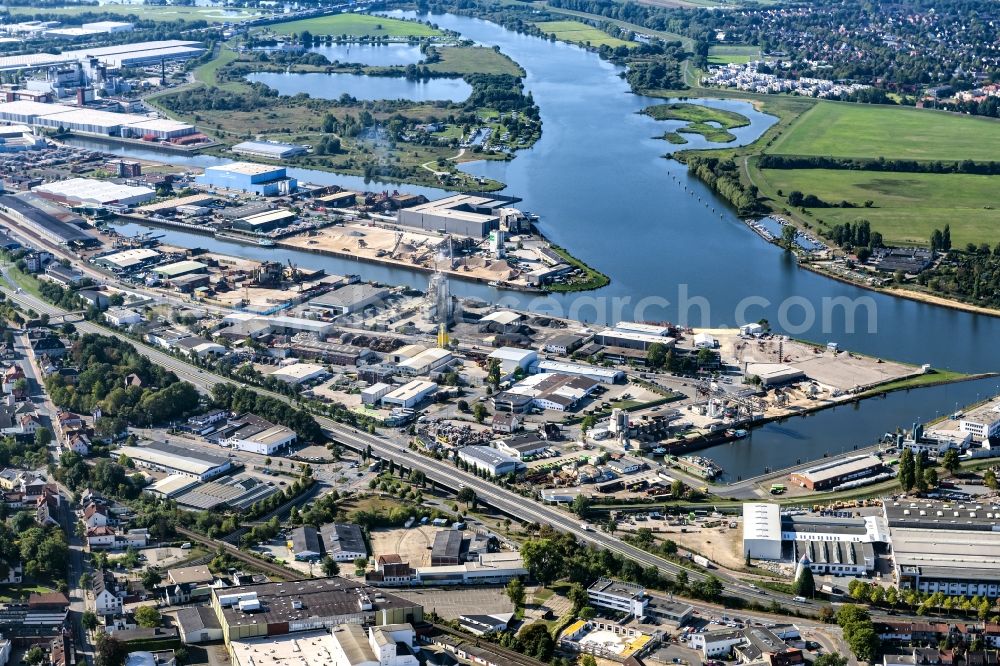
(92, 121)
(122, 55)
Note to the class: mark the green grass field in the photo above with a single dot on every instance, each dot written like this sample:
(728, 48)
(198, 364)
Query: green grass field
(474, 59)
(356, 25)
(580, 33)
(147, 12)
(866, 131)
(907, 206)
(722, 55)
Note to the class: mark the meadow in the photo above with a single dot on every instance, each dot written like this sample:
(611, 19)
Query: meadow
(576, 32)
(146, 12)
(722, 54)
(356, 25)
(907, 207)
(842, 129)
(473, 60)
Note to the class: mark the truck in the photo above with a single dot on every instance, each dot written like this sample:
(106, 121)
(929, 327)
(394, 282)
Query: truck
(701, 560)
(585, 527)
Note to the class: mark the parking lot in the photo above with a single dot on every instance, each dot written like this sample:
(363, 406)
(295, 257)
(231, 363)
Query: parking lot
(450, 603)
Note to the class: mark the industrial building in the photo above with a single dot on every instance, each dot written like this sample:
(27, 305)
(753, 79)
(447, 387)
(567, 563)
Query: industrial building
(300, 373)
(265, 221)
(427, 361)
(555, 391)
(522, 446)
(632, 340)
(447, 548)
(127, 261)
(260, 179)
(177, 460)
(266, 442)
(344, 645)
(55, 224)
(348, 299)
(411, 394)
(93, 121)
(489, 459)
(121, 55)
(833, 545)
(762, 530)
(271, 150)
(460, 214)
(831, 474)
(596, 373)
(512, 359)
(272, 609)
(343, 542)
(91, 192)
(982, 422)
(180, 268)
(486, 569)
(774, 374)
(947, 547)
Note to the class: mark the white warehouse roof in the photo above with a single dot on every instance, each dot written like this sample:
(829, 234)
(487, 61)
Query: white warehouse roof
(96, 191)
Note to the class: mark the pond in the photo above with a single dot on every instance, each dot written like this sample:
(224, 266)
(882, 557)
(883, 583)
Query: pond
(367, 88)
(377, 55)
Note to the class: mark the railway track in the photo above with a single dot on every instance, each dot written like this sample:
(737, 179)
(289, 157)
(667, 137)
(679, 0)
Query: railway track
(272, 568)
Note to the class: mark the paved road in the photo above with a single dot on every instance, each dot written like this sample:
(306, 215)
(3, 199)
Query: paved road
(446, 474)
(78, 560)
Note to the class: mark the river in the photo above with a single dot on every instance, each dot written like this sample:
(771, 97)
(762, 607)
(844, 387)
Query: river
(598, 180)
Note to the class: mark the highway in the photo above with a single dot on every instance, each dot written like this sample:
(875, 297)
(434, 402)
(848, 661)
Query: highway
(444, 473)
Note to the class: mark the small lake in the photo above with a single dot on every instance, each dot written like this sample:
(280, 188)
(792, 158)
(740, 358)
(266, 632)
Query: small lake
(377, 55)
(366, 88)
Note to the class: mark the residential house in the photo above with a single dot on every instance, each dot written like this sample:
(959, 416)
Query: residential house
(47, 508)
(108, 594)
(95, 514)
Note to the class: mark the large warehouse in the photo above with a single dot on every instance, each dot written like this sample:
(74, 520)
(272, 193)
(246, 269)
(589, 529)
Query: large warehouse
(129, 260)
(945, 547)
(831, 474)
(47, 219)
(260, 179)
(762, 530)
(121, 55)
(461, 214)
(271, 609)
(92, 121)
(177, 460)
(270, 150)
(92, 192)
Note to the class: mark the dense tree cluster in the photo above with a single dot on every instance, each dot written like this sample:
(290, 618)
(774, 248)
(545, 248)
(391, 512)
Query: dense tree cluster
(210, 98)
(242, 399)
(106, 476)
(768, 161)
(105, 363)
(723, 176)
(859, 632)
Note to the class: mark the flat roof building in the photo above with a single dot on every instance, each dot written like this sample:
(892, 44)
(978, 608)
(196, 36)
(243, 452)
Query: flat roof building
(271, 150)
(949, 547)
(128, 260)
(51, 221)
(121, 55)
(349, 298)
(489, 459)
(831, 474)
(94, 192)
(762, 530)
(177, 460)
(270, 609)
(179, 268)
(300, 373)
(632, 340)
(597, 373)
(460, 214)
(249, 177)
(774, 374)
(619, 596)
(411, 394)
